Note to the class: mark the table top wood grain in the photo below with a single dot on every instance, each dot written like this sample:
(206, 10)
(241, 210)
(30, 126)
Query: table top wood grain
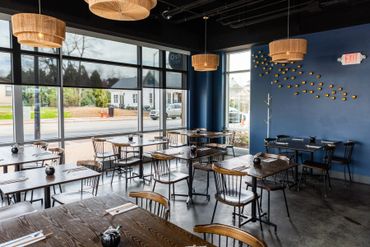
(81, 223)
(184, 152)
(137, 142)
(202, 134)
(303, 145)
(26, 154)
(36, 178)
(267, 168)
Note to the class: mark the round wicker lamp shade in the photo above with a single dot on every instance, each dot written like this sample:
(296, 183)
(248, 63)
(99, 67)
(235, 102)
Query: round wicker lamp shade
(122, 10)
(205, 62)
(287, 50)
(38, 30)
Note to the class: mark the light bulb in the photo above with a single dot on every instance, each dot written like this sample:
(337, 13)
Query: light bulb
(41, 35)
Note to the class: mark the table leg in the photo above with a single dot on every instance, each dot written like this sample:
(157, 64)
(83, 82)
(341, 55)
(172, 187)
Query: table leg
(17, 168)
(141, 167)
(254, 202)
(5, 169)
(296, 168)
(47, 203)
(190, 183)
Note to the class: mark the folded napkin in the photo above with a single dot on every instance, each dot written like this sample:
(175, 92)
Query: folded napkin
(327, 142)
(25, 240)
(298, 139)
(121, 209)
(282, 143)
(13, 180)
(269, 160)
(312, 146)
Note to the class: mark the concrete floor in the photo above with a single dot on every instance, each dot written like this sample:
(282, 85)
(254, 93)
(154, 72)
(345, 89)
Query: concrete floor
(341, 219)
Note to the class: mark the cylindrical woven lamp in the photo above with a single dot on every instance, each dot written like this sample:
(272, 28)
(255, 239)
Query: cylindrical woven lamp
(122, 10)
(205, 62)
(287, 50)
(38, 30)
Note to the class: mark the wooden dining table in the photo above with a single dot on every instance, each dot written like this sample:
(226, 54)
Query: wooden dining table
(140, 143)
(300, 145)
(26, 154)
(267, 168)
(81, 223)
(22, 181)
(203, 134)
(184, 153)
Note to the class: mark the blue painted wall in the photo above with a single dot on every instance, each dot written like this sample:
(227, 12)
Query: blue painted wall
(207, 98)
(303, 115)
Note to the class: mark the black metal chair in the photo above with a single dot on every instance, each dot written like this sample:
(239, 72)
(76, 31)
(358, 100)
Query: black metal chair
(346, 159)
(229, 191)
(324, 167)
(271, 185)
(102, 153)
(229, 143)
(123, 162)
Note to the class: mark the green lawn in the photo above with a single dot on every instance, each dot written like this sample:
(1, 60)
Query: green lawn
(46, 113)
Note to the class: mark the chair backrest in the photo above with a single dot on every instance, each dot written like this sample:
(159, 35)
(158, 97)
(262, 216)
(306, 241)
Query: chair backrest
(162, 165)
(152, 202)
(173, 138)
(120, 150)
(91, 164)
(91, 185)
(40, 144)
(60, 152)
(328, 154)
(231, 138)
(348, 150)
(224, 235)
(99, 145)
(228, 183)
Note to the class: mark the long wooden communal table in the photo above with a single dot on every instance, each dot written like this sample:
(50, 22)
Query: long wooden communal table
(268, 167)
(37, 179)
(26, 154)
(184, 153)
(81, 223)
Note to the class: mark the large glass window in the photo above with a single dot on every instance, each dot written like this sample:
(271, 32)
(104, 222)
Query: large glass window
(6, 114)
(152, 108)
(4, 34)
(238, 96)
(83, 46)
(175, 108)
(89, 111)
(151, 57)
(40, 112)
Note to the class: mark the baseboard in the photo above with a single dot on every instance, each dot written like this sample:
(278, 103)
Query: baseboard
(355, 177)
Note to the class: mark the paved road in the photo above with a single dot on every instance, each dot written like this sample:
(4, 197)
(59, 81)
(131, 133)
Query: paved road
(73, 128)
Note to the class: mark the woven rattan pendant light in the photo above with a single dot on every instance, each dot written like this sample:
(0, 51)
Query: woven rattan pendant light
(38, 30)
(287, 50)
(122, 10)
(206, 61)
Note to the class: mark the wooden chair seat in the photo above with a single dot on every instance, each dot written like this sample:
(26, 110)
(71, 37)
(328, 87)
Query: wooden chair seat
(268, 185)
(315, 165)
(173, 177)
(218, 146)
(236, 199)
(16, 210)
(104, 155)
(127, 162)
(203, 166)
(91, 164)
(70, 197)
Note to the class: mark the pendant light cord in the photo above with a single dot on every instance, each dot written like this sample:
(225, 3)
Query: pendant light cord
(205, 34)
(40, 7)
(288, 21)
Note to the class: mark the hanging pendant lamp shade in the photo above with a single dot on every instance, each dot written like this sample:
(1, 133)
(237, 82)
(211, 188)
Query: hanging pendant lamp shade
(38, 30)
(205, 62)
(287, 50)
(122, 10)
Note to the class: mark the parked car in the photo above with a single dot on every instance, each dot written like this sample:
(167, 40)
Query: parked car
(236, 116)
(173, 111)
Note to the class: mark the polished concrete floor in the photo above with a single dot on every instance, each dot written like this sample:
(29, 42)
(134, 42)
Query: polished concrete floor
(341, 219)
